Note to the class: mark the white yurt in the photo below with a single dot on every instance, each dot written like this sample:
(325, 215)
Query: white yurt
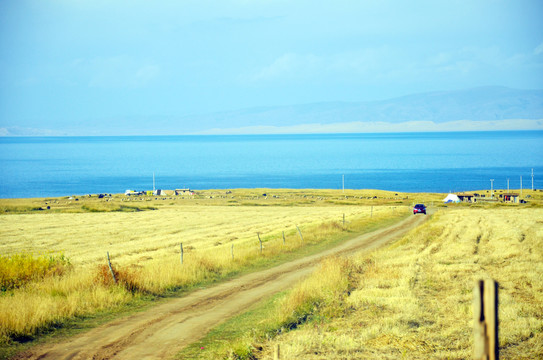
(451, 198)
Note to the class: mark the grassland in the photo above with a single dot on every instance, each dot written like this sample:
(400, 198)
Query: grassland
(411, 300)
(86, 229)
(69, 237)
(70, 242)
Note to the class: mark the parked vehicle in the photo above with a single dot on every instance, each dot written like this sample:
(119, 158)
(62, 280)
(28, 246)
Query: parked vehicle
(419, 208)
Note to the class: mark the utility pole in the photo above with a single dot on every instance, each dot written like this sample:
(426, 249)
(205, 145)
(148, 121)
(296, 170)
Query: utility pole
(520, 185)
(508, 185)
(153, 182)
(532, 179)
(492, 188)
(343, 182)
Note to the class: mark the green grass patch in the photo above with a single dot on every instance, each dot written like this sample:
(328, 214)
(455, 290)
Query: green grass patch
(228, 338)
(121, 208)
(19, 209)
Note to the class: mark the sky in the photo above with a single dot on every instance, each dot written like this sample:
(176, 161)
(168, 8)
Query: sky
(68, 64)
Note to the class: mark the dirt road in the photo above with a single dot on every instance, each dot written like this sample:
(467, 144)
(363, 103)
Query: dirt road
(162, 331)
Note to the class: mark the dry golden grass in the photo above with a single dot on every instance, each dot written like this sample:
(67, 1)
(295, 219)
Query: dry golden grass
(413, 299)
(397, 284)
(144, 249)
(139, 237)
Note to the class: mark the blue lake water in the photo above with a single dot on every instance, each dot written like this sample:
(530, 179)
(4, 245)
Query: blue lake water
(407, 162)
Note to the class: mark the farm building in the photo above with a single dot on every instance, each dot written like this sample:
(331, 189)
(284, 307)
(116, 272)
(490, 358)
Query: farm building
(161, 192)
(184, 192)
(512, 198)
(467, 198)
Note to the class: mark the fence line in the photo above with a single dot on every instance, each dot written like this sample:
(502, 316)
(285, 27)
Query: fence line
(261, 243)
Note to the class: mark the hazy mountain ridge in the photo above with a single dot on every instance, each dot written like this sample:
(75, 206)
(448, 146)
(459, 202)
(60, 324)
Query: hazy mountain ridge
(478, 109)
(479, 104)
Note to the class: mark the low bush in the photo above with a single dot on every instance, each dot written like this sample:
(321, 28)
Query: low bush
(127, 277)
(18, 269)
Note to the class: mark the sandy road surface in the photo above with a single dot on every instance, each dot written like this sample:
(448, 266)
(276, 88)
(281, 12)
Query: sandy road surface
(162, 331)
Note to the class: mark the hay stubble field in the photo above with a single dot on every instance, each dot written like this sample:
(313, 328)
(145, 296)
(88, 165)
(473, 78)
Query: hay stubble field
(144, 247)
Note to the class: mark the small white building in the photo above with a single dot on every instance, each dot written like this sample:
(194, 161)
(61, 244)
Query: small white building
(184, 192)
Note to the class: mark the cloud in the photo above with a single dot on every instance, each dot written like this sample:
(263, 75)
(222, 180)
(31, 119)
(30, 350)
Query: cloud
(539, 49)
(387, 64)
(115, 72)
(289, 65)
(361, 62)
(146, 74)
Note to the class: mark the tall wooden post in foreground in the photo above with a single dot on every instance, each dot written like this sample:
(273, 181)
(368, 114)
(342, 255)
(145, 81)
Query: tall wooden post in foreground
(485, 322)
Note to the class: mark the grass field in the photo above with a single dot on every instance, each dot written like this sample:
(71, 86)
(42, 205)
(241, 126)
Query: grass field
(411, 300)
(139, 237)
(53, 261)
(53, 264)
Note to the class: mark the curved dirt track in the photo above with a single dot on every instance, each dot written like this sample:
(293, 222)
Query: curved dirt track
(162, 331)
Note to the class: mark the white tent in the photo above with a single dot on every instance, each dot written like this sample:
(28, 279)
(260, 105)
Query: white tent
(451, 198)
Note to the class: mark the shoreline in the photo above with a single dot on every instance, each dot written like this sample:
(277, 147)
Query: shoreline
(205, 191)
(261, 197)
(106, 195)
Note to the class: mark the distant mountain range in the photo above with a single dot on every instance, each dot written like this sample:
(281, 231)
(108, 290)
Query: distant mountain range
(489, 105)
(477, 109)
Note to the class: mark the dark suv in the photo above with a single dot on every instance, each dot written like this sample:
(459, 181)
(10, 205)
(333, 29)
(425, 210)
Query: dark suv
(419, 208)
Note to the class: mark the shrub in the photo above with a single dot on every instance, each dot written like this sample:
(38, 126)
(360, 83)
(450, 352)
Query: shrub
(125, 277)
(18, 269)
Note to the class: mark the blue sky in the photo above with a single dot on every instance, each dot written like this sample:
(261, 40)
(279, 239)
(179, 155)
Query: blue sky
(67, 64)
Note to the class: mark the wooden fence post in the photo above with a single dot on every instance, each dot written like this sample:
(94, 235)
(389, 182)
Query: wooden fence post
(258, 234)
(371, 211)
(111, 268)
(276, 352)
(232, 251)
(283, 238)
(299, 232)
(181, 246)
(485, 322)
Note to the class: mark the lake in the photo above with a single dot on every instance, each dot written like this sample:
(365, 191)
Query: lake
(406, 162)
